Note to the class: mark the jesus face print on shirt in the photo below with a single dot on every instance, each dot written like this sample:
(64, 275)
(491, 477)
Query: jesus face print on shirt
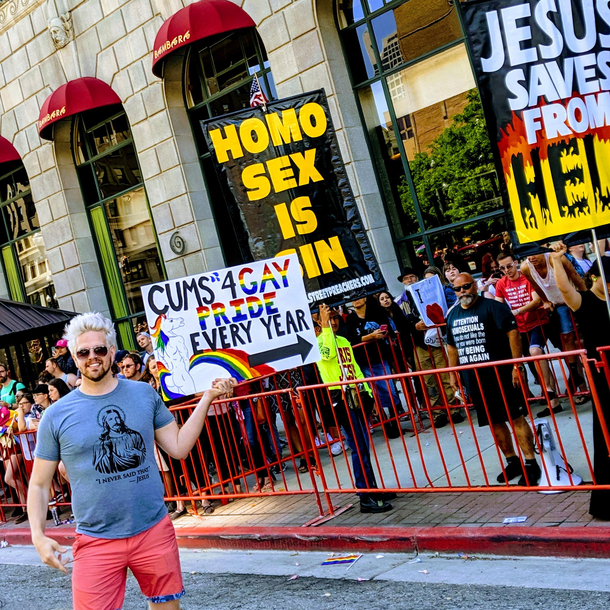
(118, 447)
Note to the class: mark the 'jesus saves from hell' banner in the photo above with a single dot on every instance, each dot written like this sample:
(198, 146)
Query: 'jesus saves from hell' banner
(288, 192)
(240, 322)
(543, 68)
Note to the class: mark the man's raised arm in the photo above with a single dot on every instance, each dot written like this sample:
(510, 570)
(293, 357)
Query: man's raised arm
(178, 442)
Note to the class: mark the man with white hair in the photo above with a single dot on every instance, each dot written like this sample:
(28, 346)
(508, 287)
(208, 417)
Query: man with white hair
(105, 433)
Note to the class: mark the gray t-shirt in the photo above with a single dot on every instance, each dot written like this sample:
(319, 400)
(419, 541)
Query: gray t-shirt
(107, 445)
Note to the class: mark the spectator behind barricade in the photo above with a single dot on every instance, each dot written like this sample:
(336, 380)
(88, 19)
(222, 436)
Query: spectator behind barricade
(428, 357)
(12, 462)
(490, 276)
(117, 363)
(151, 373)
(53, 368)
(131, 365)
(369, 324)
(590, 310)
(399, 324)
(63, 357)
(145, 343)
(447, 289)
(542, 276)
(525, 303)
(484, 330)
(450, 271)
(27, 422)
(577, 255)
(58, 388)
(42, 399)
(8, 387)
(351, 418)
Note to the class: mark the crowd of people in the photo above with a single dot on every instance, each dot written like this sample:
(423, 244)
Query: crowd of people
(515, 309)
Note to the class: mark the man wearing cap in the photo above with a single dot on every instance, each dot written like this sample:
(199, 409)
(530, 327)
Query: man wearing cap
(42, 399)
(145, 343)
(118, 360)
(428, 357)
(65, 361)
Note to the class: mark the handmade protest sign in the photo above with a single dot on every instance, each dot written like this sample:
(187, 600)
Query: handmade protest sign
(288, 189)
(429, 298)
(543, 69)
(240, 322)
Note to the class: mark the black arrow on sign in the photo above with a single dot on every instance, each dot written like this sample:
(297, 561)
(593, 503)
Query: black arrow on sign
(302, 347)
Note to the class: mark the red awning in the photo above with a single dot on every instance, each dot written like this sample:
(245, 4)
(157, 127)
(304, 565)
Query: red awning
(73, 98)
(8, 151)
(195, 22)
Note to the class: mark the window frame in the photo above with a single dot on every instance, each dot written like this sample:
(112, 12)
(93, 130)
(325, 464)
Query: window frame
(16, 281)
(122, 319)
(424, 232)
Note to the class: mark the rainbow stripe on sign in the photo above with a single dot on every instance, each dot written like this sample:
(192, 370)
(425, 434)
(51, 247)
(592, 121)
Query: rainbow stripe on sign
(163, 375)
(333, 561)
(202, 313)
(234, 361)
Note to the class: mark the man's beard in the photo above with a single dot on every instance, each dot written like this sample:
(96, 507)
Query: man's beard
(467, 299)
(3, 378)
(99, 375)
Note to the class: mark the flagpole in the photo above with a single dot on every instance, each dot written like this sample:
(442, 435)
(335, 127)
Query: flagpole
(602, 273)
(264, 104)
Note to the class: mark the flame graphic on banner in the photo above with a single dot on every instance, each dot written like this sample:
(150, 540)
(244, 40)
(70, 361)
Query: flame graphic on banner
(556, 181)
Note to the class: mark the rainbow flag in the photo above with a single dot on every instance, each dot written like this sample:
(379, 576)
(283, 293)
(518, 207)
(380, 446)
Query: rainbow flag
(333, 561)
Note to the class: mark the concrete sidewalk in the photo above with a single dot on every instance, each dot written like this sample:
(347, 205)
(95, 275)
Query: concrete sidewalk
(556, 525)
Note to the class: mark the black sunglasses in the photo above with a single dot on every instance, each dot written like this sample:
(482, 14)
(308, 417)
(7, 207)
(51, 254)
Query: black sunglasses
(98, 350)
(463, 287)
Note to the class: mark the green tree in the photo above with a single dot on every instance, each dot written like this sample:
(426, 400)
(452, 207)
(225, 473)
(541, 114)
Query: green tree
(455, 178)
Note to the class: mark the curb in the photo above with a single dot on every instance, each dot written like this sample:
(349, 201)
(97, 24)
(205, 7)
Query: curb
(575, 542)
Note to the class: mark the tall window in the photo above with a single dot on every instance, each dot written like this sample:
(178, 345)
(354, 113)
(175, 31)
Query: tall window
(414, 83)
(23, 253)
(218, 76)
(113, 190)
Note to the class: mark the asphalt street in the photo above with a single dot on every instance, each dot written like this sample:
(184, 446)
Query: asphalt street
(218, 580)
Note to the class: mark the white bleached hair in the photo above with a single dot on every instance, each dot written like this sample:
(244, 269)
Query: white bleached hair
(89, 322)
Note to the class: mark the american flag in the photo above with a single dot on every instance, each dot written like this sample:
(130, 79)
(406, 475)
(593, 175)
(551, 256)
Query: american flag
(257, 96)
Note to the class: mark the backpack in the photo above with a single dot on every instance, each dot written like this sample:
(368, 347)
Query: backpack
(554, 465)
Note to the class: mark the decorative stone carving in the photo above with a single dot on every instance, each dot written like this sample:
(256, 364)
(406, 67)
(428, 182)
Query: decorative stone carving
(13, 10)
(60, 25)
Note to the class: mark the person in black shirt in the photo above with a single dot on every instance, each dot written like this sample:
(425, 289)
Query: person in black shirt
(368, 324)
(591, 314)
(484, 330)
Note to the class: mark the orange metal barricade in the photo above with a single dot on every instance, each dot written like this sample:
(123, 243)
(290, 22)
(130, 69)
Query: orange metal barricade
(241, 452)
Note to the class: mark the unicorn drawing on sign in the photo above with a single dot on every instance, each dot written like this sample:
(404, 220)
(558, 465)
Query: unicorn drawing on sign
(173, 354)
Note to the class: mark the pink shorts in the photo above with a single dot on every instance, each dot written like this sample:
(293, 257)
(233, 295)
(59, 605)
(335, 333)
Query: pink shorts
(100, 568)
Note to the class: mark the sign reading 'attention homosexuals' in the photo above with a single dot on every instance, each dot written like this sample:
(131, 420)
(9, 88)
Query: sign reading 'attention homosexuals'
(241, 322)
(288, 192)
(543, 69)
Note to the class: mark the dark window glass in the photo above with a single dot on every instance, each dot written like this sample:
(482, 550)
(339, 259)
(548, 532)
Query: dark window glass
(362, 62)
(134, 243)
(386, 154)
(349, 11)
(388, 44)
(117, 171)
(20, 217)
